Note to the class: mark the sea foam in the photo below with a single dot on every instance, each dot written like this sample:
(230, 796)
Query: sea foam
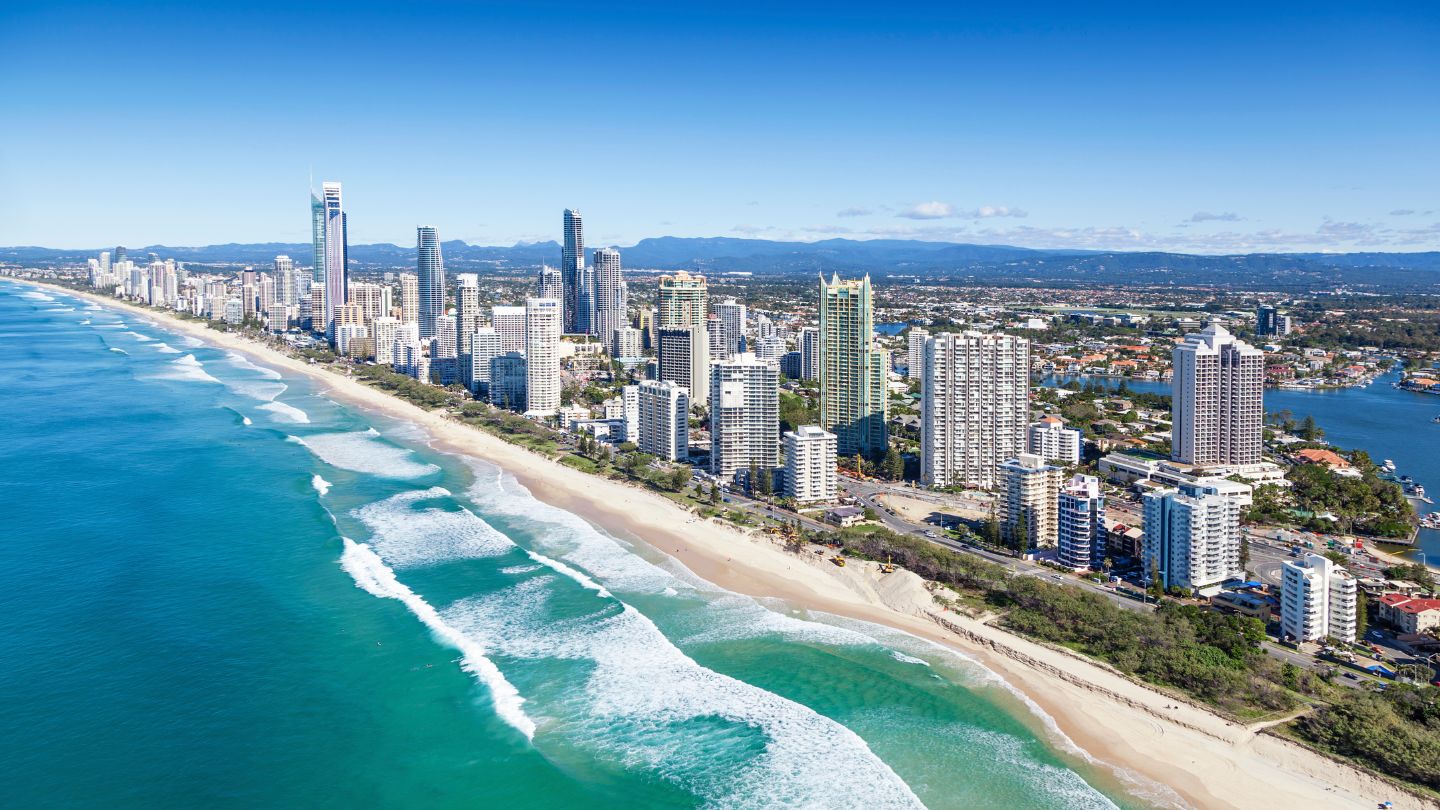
(643, 700)
(364, 452)
(186, 368)
(242, 361)
(321, 485)
(288, 413)
(407, 536)
(376, 578)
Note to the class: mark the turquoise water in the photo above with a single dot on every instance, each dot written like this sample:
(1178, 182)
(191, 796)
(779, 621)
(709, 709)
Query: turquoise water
(219, 588)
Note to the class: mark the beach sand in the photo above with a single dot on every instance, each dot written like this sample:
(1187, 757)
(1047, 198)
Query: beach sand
(1147, 738)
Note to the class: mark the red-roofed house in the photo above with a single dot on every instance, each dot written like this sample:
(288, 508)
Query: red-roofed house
(1315, 455)
(1409, 614)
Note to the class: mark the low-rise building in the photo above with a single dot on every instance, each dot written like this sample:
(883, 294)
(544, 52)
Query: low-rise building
(809, 472)
(1317, 600)
(1409, 614)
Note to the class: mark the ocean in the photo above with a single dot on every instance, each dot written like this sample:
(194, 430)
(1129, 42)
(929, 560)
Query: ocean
(220, 588)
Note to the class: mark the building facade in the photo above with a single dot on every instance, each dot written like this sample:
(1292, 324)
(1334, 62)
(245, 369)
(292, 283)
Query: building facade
(974, 407)
(1317, 600)
(1027, 502)
(1192, 537)
(572, 266)
(1051, 440)
(430, 270)
(853, 393)
(1217, 399)
(664, 420)
(543, 320)
(1080, 534)
(744, 416)
(809, 474)
(683, 357)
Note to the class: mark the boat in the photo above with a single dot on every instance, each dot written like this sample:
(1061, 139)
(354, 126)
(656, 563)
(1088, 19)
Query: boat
(1436, 420)
(1390, 465)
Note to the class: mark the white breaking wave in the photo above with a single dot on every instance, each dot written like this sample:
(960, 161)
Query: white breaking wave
(85, 322)
(289, 413)
(321, 485)
(118, 351)
(60, 309)
(562, 568)
(244, 362)
(363, 452)
(643, 698)
(166, 348)
(186, 368)
(191, 342)
(569, 536)
(375, 577)
(408, 537)
(245, 420)
(37, 296)
(261, 390)
(140, 337)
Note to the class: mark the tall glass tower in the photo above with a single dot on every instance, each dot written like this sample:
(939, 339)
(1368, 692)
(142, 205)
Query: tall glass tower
(317, 237)
(852, 370)
(572, 267)
(337, 255)
(431, 270)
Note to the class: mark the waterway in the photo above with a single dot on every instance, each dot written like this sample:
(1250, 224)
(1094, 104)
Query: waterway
(1386, 422)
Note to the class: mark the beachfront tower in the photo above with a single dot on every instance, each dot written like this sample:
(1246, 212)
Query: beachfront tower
(543, 319)
(974, 407)
(572, 266)
(337, 255)
(1317, 600)
(852, 370)
(430, 268)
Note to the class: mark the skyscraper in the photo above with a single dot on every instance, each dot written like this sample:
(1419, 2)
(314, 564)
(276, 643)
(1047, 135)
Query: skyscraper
(609, 297)
(681, 300)
(317, 238)
(1266, 321)
(430, 268)
(543, 318)
(1052, 441)
(974, 407)
(1192, 536)
(732, 317)
(337, 255)
(915, 352)
(1217, 398)
(852, 370)
(1080, 523)
(809, 353)
(509, 322)
(572, 265)
(550, 283)
(744, 415)
(409, 298)
(467, 320)
(683, 357)
(286, 287)
(664, 420)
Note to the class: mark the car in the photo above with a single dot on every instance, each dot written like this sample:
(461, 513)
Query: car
(1352, 676)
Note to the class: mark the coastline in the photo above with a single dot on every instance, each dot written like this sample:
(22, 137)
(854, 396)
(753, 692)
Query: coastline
(1207, 760)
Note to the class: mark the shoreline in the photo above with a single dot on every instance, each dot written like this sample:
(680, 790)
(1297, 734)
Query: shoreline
(1119, 726)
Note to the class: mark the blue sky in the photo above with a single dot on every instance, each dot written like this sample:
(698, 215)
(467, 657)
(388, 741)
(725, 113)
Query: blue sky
(1210, 128)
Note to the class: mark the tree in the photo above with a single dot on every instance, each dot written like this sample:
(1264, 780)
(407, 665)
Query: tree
(714, 493)
(679, 477)
(1308, 431)
(1020, 536)
(893, 466)
(764, 484)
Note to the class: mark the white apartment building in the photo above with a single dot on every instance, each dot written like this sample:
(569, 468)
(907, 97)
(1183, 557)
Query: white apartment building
(484, 347)
(409, 298)
(386, 329)
(732, 319)
(1052, 441)
(809, 474)
(664, 420)
(1217, 397)
(974, 407)
(744, 415)
(544, 320)
(1192, 536)
(1028, 498)
(1080, 523)
(630, 417)
(915, 353)
(683, 357)
(628, 343)
(510, 323)
(1317, 600)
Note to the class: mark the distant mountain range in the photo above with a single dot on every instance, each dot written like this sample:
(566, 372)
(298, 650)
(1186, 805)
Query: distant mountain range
(1001, 264)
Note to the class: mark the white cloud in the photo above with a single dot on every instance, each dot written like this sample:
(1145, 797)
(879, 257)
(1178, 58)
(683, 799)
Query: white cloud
(928, 210)
(1206, 216)
(854, 212)
(1402, 212)
(989, 211)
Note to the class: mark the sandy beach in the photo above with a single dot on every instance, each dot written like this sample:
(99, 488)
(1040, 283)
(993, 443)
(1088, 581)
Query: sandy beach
(1145, 737)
